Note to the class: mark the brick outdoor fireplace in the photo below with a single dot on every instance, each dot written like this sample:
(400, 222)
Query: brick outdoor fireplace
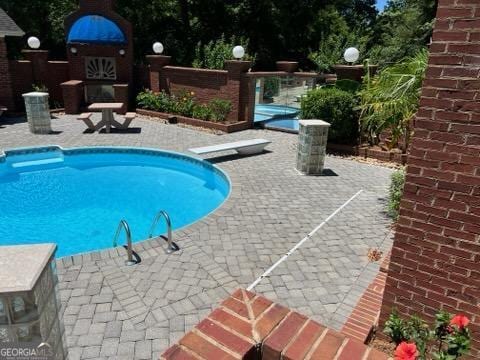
(100, 56)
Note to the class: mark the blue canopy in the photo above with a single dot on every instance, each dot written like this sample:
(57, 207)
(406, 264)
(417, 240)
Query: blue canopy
(96, 29)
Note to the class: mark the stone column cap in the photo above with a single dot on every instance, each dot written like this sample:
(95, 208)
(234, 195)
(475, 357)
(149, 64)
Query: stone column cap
(313, 122)
(22, 265)
(35, 94)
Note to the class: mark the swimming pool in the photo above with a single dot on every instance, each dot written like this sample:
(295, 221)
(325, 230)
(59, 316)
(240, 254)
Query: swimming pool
(76, 197)
(288, 125)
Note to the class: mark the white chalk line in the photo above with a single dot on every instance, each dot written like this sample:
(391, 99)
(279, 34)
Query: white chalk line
(301, 242)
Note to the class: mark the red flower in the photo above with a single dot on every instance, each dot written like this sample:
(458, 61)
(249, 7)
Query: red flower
(459, 321)
(406, 351)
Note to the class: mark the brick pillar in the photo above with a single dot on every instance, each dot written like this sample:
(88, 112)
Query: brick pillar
(39, 60)
(6, 91)
(122, 96)
(157, 62)
(435, 261)
(238, 88)
(72, 96)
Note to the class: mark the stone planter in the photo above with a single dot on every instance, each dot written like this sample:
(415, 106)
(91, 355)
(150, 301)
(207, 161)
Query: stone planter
(287, 66)
(38, 112)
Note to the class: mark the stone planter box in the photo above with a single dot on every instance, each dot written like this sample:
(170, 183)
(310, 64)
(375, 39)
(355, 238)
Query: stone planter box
(228, 128)
(287, 66)
(368, 153)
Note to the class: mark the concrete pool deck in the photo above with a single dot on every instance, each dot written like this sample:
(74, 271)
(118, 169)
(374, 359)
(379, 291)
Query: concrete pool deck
(118, 312)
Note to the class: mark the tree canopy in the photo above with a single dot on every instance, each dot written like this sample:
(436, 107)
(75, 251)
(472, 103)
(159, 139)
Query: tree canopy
(301, 30)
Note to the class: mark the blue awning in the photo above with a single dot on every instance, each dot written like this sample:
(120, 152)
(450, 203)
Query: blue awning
(95, 29)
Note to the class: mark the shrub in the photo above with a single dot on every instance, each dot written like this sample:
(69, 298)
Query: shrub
(391, 98)
(348, 85)
(220, 109)
(202, 112)
(158, 102)
(449, 339)
(183, 103)
(336, 107)
(395, 192)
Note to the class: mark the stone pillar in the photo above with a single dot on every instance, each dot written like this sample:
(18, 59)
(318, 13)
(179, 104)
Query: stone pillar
(39, 61)
(121, 94)
(435, 262)
(38, 112)
(312, 146)
(157, 62)
(238, 89)
(28, 290)
(6, 90)
(73, 95)
(287, 66)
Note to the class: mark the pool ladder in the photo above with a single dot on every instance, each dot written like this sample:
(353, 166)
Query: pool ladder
(171, 247)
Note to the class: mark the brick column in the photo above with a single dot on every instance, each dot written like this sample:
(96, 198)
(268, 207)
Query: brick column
(39, 60)
(157, 62)
(435, 261)
(72, 96)
(6, 91)
(238, 88)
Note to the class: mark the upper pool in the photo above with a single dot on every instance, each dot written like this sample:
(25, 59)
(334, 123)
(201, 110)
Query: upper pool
(76, 197)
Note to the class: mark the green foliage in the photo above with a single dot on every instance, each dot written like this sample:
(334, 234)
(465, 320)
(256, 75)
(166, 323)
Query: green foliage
(335, 106)
(391, 98)
(348, 85)
(446, 341)
(214, 54)
(202, 112)
(396, 328)
(271, 87)
(184, 104)
(395, 192)
(219, 109)
(403, 29)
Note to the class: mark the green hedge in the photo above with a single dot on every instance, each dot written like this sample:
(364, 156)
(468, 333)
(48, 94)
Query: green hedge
(395, 192)
(336, 107)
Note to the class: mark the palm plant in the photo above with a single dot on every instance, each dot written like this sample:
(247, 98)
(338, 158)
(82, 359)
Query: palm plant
(391, 98)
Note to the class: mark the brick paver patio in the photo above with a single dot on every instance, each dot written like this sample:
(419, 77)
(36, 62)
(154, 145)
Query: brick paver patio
(114, 311)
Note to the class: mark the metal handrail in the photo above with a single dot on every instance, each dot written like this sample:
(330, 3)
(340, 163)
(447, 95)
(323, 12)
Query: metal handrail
(124, 225)
(171, 248)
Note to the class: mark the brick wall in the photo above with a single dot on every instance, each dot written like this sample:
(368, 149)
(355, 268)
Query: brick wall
(251, 327)
(209, 84)
(435, 261)
(6, 94)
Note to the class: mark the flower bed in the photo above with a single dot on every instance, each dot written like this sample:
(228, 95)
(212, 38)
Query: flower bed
(225, 127)
(369, 152)
(184, 107)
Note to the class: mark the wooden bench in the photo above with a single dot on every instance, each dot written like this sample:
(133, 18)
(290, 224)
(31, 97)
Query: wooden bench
(244, 147)
(85, 117)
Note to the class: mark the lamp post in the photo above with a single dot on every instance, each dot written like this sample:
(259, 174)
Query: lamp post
(351, 55)
(33, 42)
(158, 48)
(238, 52)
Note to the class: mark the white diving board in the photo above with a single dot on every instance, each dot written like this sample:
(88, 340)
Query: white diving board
(244, 147)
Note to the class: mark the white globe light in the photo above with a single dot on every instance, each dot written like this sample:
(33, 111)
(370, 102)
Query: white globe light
(158, 48)
(351, 55)
(238, 52)
(73, 50)
(33, 42)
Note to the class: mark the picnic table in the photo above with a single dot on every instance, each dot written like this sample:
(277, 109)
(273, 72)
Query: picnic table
(107, 115)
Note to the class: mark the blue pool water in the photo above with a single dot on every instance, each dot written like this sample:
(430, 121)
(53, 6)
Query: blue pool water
(290, 125)
(77, 197)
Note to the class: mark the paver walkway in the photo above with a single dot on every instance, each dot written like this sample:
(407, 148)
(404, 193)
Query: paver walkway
(114, 311)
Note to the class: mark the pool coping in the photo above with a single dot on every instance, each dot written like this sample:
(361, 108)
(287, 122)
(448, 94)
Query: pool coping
(142, 245)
